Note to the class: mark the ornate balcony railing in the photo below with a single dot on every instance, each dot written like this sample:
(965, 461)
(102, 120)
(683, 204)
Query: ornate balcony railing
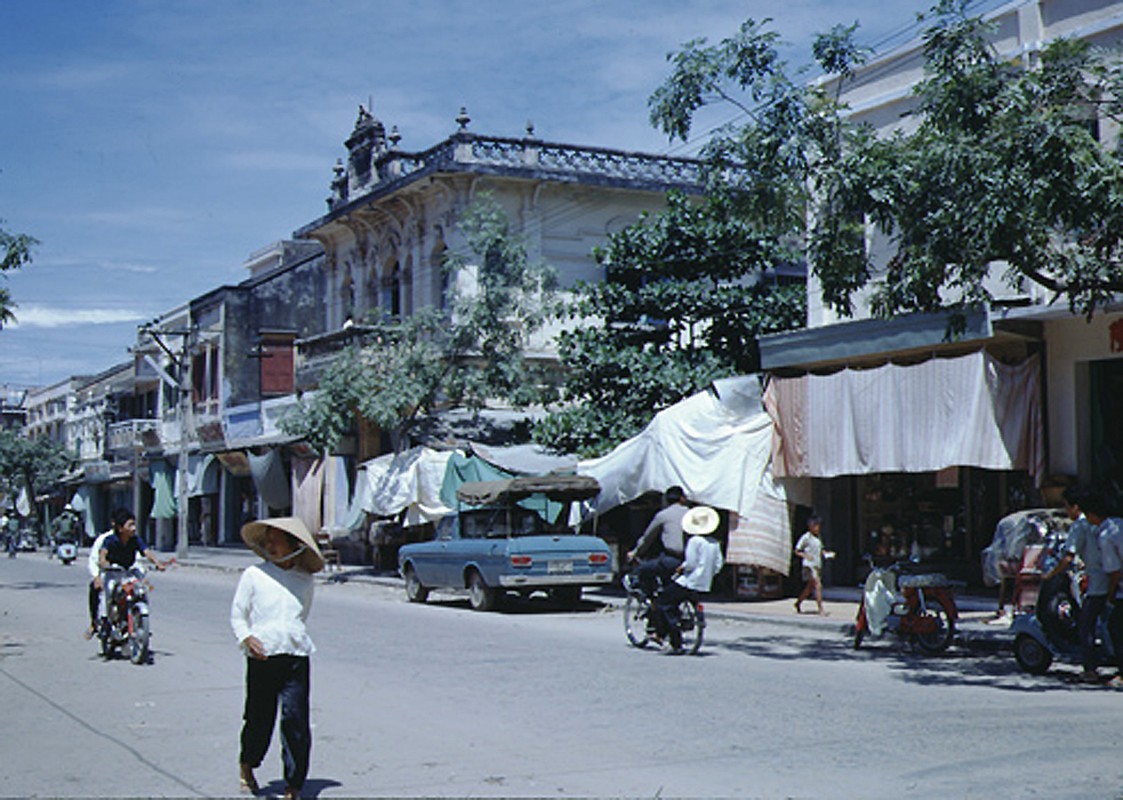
(128, 435)
(467, 152)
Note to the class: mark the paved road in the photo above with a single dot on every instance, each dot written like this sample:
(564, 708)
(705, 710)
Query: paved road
(437, 700)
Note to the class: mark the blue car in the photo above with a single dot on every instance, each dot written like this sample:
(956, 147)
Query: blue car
(510, 536)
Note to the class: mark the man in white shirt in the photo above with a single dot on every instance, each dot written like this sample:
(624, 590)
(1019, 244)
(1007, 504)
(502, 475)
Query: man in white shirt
(94, 568)
(694, 576)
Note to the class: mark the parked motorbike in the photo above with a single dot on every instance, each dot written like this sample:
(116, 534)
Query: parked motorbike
(125, 621)
(639, 618)
(1050, 631)
(917, 605)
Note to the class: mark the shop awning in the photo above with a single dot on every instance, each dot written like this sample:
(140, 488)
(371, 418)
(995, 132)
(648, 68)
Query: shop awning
(845, 342)
(970, 411)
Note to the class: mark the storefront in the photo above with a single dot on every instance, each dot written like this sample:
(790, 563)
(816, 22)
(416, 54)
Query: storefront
(915, 445)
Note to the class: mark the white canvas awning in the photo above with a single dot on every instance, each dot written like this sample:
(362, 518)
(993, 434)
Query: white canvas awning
(410, 481)
(716, 445)
(967, 411)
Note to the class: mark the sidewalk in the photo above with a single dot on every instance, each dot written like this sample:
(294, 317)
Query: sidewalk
(977, 628)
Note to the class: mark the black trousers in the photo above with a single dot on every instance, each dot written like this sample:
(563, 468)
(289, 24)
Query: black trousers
(92, 601)
(278, 680)
(1115, 629)
(1089, 613)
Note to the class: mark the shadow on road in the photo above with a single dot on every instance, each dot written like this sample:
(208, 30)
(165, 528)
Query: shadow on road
(956, 667)
(312, 787)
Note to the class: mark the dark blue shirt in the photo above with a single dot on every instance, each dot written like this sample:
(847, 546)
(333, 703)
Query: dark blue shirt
(123, 554)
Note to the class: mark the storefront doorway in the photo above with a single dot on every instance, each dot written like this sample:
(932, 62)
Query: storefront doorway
(1106, 423)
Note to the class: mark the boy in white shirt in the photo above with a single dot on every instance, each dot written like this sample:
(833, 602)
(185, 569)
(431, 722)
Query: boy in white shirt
(810, 549)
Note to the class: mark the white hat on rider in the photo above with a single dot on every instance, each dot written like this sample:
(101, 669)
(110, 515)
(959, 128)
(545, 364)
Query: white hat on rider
(253, 534)
(700, 521)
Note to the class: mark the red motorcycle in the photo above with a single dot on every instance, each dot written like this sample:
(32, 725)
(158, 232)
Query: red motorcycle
(919, 606)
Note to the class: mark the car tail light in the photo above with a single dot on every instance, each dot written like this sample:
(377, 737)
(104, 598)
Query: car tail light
(598, 558)
(521, 561)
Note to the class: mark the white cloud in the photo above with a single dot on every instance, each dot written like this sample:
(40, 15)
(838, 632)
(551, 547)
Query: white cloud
(34, 316)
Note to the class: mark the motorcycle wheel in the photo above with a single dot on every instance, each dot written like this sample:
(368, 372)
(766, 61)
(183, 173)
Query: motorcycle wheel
(860, 627)
(635, 621)
(1031, 655)
(105, 639)
(691, 625)
(138, 637)
(938, 640)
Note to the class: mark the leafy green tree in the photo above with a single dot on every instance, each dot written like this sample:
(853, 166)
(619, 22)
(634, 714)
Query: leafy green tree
(37, 463)
(16, 249)
(1002, 175)
(403, 370)
(679, 307)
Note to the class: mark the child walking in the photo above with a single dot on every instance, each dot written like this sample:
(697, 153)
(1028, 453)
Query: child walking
(810, 549)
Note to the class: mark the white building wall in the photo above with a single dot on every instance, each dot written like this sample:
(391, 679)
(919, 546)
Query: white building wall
(1071, 344)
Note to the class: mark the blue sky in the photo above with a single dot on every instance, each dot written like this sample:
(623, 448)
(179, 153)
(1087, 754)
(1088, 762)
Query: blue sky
(151, 146)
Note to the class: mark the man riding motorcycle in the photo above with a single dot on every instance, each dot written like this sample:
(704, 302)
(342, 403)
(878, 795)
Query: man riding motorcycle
(121, 547)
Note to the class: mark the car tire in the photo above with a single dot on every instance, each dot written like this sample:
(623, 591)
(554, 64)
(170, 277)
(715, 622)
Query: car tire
(416, 592)
(480, 596)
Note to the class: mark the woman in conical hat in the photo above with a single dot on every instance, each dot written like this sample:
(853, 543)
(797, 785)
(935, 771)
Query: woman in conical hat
(270, 608)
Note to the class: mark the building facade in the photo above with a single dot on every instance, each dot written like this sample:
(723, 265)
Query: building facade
(897, 474)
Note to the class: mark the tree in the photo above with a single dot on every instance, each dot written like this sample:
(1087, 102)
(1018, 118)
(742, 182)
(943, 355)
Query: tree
(34, 464)
(16, 249)
(677, 309)
(1003, 168)
(1003, 172)
(403, 370)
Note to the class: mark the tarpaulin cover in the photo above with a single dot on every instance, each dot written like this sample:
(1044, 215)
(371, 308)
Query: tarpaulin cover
(524, 459)
(270, 479)
(410, 481)
(202, 475)
(716, 445)
(1002, 558)
(308, 491)
(967, 411)
(715, 452)
(162, 477)
(560, 488)
(467, 469)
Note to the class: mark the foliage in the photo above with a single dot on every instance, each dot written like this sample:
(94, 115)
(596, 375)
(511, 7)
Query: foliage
(1003, 169)
(676, 310)
(402, 370)
(999, 173)
(15, 249)
(35, 463)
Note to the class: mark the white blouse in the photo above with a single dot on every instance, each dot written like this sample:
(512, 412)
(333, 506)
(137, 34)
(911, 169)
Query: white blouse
(272, 604)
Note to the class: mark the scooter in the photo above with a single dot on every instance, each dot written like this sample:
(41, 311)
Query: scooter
(66, 551)
(1050, 631)
(919, 606)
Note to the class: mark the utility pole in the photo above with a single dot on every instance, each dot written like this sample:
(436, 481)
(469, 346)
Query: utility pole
(182, 386)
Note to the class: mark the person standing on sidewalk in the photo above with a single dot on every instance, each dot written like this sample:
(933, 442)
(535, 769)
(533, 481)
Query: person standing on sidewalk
(1083, 542)
(1110, 529)
(810, 549)
(270, 607)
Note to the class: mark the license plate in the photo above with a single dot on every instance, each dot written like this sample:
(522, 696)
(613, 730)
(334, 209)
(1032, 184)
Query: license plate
(559, 567)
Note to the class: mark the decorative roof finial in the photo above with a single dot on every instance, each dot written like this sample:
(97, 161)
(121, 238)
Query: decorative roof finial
(462, 119)
(394, 138)
(530, 129)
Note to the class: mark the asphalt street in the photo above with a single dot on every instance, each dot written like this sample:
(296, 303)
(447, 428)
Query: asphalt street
(438, 700)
